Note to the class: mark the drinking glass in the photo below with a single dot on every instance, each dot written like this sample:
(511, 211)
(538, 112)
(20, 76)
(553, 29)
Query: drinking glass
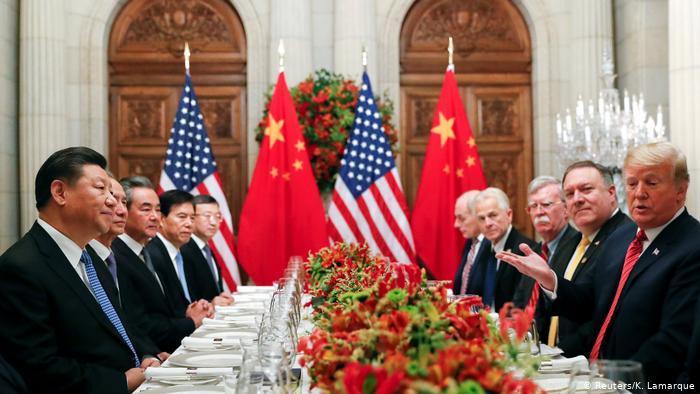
(617, 376)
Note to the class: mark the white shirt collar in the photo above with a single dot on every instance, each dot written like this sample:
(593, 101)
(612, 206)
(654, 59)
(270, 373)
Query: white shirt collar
(498, 246)
(200, 242)
(652, 233)
(70, 249)
(102, 251)
(172, 250)
(133, 244)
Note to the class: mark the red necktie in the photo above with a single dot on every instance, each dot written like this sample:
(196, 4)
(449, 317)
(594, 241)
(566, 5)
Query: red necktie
(631, 258)
(535, 296)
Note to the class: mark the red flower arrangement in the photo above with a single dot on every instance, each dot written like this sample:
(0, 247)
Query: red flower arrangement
(325, 106)
(380, 329)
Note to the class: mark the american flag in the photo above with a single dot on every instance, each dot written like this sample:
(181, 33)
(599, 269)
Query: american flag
(190, 166)
(368, 204)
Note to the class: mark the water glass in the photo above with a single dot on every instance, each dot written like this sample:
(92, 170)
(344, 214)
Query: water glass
(617, 376)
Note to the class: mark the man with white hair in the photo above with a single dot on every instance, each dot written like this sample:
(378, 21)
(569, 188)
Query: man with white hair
(644, 290)
(545, 205)
(468, 226)
(493, 281)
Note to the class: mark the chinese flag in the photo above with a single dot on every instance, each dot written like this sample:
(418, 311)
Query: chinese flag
(451, 167)
(283, 213)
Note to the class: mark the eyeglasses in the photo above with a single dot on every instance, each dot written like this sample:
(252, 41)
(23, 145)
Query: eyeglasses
(210, 217)
(546, 206)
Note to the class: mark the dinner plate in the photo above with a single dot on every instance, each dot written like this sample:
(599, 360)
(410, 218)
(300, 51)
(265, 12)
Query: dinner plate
(187, 389)
(213, 359)
(226, 333)
(552, 383)
(174, 381)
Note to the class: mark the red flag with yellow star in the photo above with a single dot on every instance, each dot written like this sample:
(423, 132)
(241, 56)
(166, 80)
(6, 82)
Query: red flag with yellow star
(451, 167)
(283, 214)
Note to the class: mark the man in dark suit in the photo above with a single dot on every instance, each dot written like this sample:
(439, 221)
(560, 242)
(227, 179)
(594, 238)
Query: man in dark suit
(647, 278)
(143, 294)
(545, 205)
(207, 283)
(494, 281)
(59, 329)
(591, 201)
(468, 226)
(177, 275)
(10, 381)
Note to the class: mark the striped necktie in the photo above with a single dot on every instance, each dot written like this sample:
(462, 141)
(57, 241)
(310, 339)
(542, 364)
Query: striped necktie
(468, 266)
(631, 258)
(106, 306)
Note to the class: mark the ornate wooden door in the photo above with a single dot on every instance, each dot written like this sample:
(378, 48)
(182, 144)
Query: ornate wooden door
(146, 69)
(493, 67)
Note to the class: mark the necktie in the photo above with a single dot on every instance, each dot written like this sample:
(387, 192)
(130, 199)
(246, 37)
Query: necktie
(106, 306)
(112, 267)
(181, 275)
(212, 264)
(568, 274)
(146, 258)
(535, 295)
(631, 258)
(490, 284)
(468, 266)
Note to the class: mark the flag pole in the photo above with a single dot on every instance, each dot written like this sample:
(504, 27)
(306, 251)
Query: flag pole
(450, 55)
(280, 52)
(187, 57)
(364, 58)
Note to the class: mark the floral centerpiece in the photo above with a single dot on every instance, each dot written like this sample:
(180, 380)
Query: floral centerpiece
(325, 104)
(379, 328)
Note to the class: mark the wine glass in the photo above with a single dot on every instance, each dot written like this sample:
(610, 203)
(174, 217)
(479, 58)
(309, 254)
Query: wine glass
(617, 376)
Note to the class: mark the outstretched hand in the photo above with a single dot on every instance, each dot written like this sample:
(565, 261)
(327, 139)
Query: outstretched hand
(531, 264)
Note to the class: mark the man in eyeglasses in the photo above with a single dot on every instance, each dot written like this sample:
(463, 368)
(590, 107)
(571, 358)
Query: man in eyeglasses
(545, 205)
(207, 283)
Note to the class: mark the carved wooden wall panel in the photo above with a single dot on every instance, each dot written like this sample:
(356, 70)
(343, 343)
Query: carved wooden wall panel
(147, 74)
(493, 63)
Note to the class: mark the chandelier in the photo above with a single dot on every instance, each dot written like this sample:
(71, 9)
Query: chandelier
(604, 132)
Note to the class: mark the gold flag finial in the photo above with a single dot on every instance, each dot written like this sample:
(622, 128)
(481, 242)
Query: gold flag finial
(187, 56)
(364, 58)
(450, 52)
(280, 52)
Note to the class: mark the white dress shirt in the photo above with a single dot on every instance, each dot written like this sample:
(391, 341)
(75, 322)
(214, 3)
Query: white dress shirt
(133, 244)
(70, 250)
(172, 252)
(498, 246)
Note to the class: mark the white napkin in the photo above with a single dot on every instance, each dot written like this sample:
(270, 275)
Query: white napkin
(159, 372)
(242, 319)
(254, 289)
(207, 322)
(568, 363)
(212, 343)
(247, 307)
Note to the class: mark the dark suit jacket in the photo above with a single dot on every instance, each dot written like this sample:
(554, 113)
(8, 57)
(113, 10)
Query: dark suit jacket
(203, 284)
(54, 331)
(524, 289)
(654, 316)
(10, 381)
(507, 277)
(574, 337)
(144, 302)
(692, 365)
(168, 276)
(457, 282)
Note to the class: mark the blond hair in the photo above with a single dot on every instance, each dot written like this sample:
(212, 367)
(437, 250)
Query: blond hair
(659, 153)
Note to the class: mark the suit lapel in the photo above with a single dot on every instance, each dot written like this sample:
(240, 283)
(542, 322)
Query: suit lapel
(59, 264)
(166, 268)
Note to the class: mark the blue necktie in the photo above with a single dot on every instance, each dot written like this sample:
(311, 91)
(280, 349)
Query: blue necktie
(490, 284)
(106, 306)
(181, 275)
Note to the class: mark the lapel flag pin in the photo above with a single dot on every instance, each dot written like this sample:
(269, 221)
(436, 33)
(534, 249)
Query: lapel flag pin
(655, 252)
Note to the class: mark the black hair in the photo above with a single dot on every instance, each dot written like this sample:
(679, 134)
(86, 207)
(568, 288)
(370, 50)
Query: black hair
(172, 198)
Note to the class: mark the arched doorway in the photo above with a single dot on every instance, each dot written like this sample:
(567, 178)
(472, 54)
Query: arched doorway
(146, 73)
(493, 69)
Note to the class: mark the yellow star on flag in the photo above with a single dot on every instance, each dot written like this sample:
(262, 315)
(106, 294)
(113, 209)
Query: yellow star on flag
(273, 130)
(444, 129)
(299, 145)
(297, 165)
(446, 169)
(460, 173)
(274, 172)
(470, 161)
(286, 176)
(471, 142)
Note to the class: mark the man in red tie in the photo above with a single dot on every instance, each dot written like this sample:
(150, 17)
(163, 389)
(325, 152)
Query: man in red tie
(468, 226)
(642, 295)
